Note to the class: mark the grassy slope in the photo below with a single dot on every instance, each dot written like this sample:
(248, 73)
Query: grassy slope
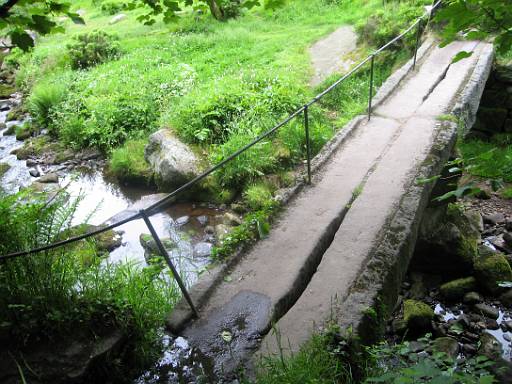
(195, 57)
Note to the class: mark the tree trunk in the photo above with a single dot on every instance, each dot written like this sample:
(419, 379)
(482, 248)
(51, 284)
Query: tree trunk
(216, 9)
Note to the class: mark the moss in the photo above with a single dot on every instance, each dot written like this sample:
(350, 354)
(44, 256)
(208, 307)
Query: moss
(491, 270)
(128, 164)
(23, 132)
(4, 167)
(456, 289)
(6, 91)
(417, 314)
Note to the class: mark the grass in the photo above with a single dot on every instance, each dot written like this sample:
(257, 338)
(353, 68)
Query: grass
(215, 84)
(128, 164)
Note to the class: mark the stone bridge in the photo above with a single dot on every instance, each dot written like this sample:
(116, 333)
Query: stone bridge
(343, 244)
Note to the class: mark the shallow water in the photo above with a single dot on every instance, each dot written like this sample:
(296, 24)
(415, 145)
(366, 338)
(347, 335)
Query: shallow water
(101, 199)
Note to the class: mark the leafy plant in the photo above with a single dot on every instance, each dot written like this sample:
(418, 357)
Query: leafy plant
(44, 98)
(90, 49)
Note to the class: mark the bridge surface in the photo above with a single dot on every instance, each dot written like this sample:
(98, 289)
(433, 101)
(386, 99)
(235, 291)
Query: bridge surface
(299, 276)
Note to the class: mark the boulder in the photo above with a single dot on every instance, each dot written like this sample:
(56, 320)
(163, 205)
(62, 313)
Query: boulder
(472, 298)
(490, 346)
(172, 162)
(456, 289)
(491, 270)
(447, 345)
(203, 249)
(117, 18)
(4, 167)
(231, 219)
(49, 178)
(418, 315)
(487, 310)
(448, 240)
(506, 298)
(221, 231)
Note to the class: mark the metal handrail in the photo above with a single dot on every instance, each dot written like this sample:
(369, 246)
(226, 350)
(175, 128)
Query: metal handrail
(145, 214)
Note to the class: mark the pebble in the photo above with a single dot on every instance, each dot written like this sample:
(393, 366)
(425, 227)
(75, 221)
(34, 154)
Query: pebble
(181, 221)
(492, 325)
(507, 337)
(202, 249)
(508, 324)
(202, 220)
(487, 310)
(34, 172)
(31, 162)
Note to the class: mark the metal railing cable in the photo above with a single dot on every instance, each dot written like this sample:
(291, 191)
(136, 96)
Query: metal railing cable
(146, 213)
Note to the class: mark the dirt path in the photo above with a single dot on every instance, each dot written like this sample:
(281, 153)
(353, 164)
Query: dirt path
(328, 55)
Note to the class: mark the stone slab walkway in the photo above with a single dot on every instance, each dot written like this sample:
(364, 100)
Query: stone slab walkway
(323, 239)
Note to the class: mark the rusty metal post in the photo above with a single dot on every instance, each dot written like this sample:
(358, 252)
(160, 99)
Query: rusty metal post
(370, 91)
(308, 144)
(167, 258)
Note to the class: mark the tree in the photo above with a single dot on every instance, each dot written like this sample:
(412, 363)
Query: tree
(18, 17)
(478, 19)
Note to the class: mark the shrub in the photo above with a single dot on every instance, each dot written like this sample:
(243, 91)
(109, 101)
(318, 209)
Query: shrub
(387, 23)
(90, 49)
(128, 163)
(42, 101)
(104, 121)
(112, 7)
(251, 103)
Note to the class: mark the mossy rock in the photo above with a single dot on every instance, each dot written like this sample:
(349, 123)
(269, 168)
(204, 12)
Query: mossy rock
(23, 132)
(456, 289)
(4, 167)
(447, 345)
(6, 91)
(491, 270)
(418, 315)
(10, 131)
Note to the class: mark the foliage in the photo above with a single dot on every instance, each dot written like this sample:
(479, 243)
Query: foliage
(393, 364)
(478, 19)
(316, 362)
(256, 196)
(90, 49)
(128, 163)
(255, 225)
(61, 291)
(250, 103)
(19, 16)
(220, 9)
(113, 7)
(42, 101)
(388, 22)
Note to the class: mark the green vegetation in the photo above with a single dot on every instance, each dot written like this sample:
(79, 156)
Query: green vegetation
(489, 159)
(93, 48)
(218, 85)
(128, 163)
(327, 359)
(68, 290)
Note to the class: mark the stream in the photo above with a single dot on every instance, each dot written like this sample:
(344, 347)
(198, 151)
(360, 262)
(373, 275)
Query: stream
(102, 199)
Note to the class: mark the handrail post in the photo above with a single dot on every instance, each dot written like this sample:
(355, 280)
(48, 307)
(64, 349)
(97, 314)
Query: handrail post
(167, 258)
(308, 144)
(418, 37)
(370, 91)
